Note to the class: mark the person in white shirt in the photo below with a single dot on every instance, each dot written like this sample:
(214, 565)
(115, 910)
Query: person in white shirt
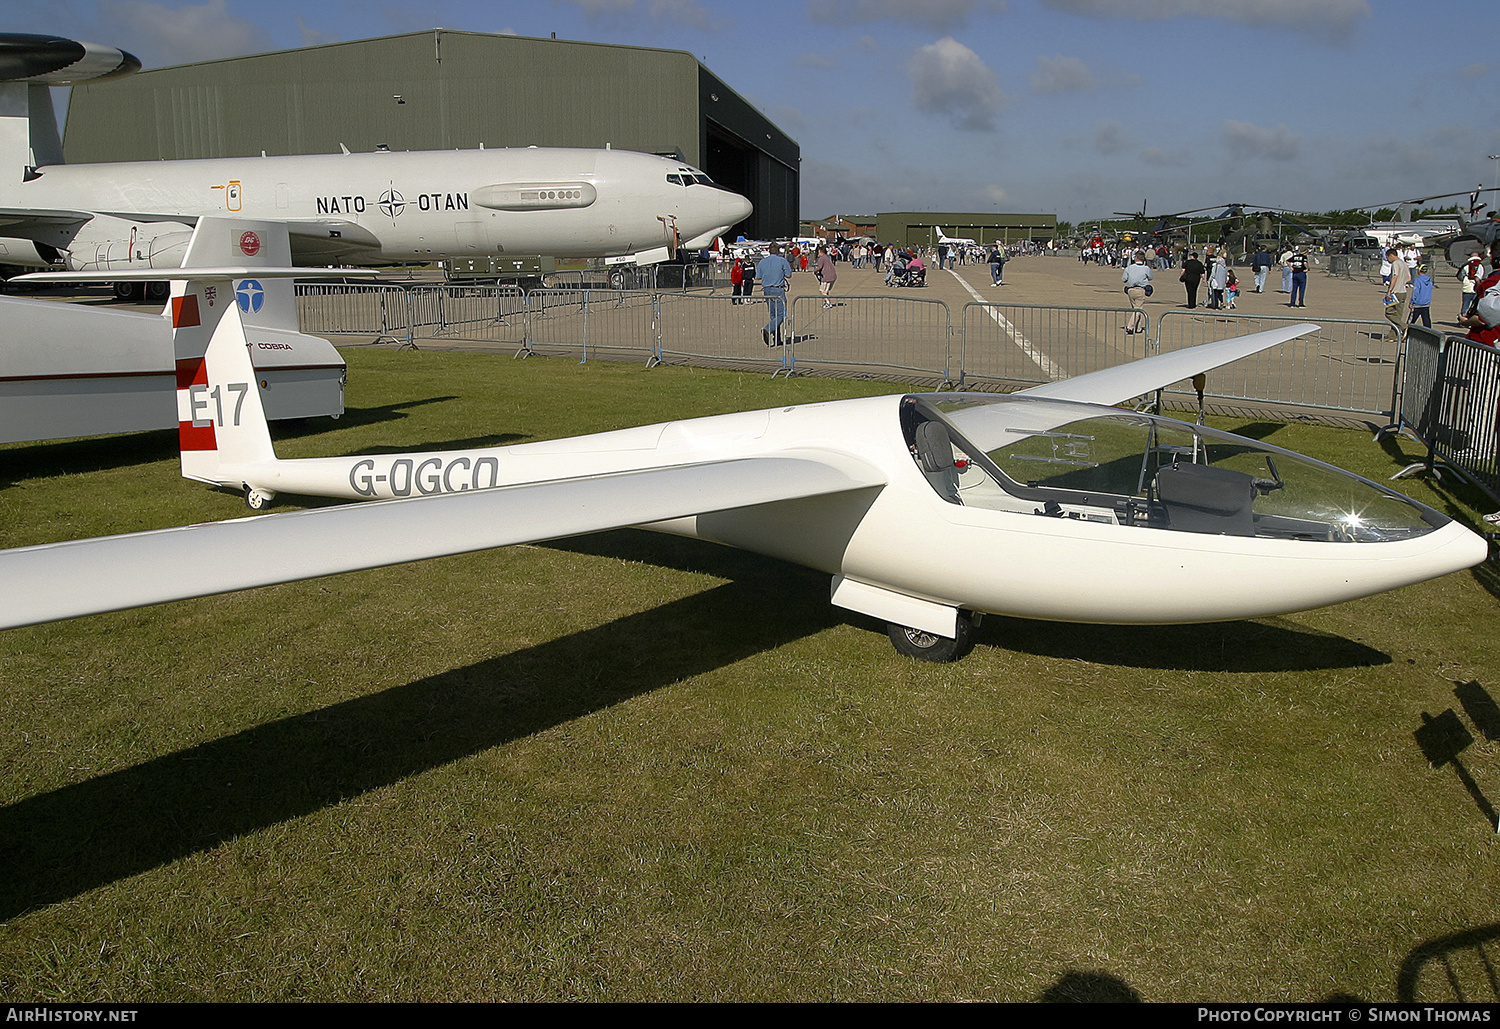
(1397, 297)
(1137, 279)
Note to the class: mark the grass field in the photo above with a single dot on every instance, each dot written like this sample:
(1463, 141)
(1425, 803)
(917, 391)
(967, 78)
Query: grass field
(634, 767)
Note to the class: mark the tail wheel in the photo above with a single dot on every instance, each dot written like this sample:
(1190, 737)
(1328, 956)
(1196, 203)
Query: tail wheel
(258, 499)
(927, 646)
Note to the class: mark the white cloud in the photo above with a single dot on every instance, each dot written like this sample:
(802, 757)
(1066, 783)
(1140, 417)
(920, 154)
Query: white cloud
(162, 35)
(1164, 158)
(1061, 75)
(1332, 20)
(690, 13)
(314, 37)
(785, 116)
(949, 79)
(685, 12)
(1250, 141)
(941, 15)
(828, 187)
(1074, 75)
(1110, 137)
(811, 60)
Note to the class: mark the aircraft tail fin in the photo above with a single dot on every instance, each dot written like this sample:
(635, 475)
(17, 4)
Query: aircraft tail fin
(33, 64)
(28, 131)
(221, 420)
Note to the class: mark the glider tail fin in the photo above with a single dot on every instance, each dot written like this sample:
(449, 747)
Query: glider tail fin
(221, 421)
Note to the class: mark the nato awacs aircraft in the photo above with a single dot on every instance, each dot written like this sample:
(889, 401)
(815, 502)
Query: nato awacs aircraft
(926, 511)
(361, 209)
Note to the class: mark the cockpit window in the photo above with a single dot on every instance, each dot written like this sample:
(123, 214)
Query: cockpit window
(676, 180)
(1121, 467)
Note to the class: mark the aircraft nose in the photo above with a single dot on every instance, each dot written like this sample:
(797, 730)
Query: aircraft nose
(736, 208)
(713, 212)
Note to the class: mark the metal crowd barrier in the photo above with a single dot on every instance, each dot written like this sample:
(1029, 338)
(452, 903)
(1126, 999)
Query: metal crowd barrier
(1029, 344)
(1347, 365)
(571, 321)
(719, 331)
(478, 313)
(335, 309)
(1366, 265)
(1450, 400)
(656, 278)
(875, 332)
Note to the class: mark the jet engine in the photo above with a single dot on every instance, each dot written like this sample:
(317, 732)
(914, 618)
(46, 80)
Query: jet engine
(114, 244)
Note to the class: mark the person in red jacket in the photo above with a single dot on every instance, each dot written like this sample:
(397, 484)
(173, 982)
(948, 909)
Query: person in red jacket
(1480, 329)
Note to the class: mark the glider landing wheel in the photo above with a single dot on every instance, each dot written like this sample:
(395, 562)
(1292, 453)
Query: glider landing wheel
(258, 499)
(927, 646)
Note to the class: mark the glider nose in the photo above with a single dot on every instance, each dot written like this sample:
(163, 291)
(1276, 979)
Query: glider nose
(1467, 550)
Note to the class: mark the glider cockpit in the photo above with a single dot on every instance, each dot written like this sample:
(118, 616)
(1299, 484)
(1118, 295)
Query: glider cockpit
(1118, 467)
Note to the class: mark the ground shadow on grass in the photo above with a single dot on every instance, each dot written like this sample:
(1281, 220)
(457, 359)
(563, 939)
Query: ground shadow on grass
(1456, 969)
(60, 844)
(1074, 987)
(1260, 430)
(1267, 645)
(48, 458)
(353, 417)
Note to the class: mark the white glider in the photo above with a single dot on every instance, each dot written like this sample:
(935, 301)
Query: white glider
(927, 511)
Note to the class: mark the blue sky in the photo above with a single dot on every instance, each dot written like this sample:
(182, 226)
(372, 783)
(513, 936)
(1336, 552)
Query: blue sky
(1073, 107)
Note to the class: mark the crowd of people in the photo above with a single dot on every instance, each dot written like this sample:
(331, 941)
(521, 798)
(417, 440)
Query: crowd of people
(1407, 287)
(901, 266)
(1406, 280)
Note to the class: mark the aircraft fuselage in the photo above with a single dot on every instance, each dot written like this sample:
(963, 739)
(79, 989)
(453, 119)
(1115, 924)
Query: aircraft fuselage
(385, 207)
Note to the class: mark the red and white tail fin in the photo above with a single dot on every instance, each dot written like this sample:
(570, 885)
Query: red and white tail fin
(221, 422)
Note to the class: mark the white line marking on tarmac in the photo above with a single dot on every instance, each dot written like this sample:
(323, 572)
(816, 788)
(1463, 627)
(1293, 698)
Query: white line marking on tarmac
(1045, 363)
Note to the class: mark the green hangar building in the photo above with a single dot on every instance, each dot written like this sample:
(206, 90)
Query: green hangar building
(445, 90)
(920, 228)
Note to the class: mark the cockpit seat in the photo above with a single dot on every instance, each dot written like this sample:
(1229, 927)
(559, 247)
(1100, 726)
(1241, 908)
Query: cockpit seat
(1202, 498)
(935, 457)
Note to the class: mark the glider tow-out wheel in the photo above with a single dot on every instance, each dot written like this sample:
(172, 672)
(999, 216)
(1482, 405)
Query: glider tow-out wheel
(927, 646)
(258, 499)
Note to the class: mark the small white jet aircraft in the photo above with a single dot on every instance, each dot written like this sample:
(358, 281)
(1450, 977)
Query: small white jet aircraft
(926, 510)
(953, 241)
(361, 209)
